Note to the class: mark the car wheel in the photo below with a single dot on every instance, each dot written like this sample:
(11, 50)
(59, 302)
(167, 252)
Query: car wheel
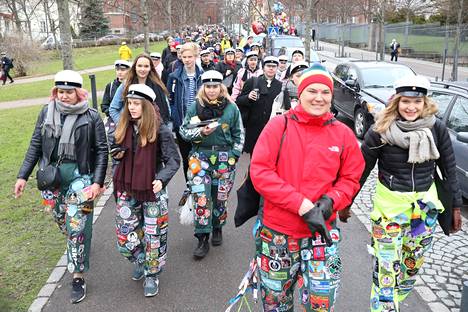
(360, 123)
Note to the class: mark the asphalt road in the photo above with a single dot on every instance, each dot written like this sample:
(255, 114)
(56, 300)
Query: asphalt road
(207, 285)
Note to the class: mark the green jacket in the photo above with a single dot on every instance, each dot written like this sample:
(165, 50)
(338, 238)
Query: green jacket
(230, 131)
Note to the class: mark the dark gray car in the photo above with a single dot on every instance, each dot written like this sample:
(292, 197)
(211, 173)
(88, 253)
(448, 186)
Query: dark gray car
(452, 99)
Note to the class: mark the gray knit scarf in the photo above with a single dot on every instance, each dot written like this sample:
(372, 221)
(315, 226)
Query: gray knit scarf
(416, 136)
(53, 127)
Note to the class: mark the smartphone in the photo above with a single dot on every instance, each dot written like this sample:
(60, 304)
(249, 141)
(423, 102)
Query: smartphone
(213, 125)
(117, 150)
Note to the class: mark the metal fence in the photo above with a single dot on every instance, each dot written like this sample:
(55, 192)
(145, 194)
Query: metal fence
(416, 39)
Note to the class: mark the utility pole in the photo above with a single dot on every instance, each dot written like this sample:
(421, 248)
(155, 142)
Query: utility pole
(65, 34)
(457, 42)
(382, 32)
(308, 33)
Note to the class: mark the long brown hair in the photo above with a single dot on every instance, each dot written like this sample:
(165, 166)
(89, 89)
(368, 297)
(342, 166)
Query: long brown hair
(132, 77)
(386, 117)
(148, 124)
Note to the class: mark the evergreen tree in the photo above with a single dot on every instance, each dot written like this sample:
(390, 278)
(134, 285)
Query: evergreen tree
(93, 23)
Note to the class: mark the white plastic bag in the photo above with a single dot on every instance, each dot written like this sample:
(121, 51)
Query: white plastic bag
(186, 212)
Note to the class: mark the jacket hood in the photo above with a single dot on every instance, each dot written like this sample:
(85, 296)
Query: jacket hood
(300, 115)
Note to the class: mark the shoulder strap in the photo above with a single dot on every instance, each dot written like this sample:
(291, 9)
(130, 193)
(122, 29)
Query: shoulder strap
(282, 139)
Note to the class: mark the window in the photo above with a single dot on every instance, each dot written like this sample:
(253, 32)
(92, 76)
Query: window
(352, 74)
(43, 26)
(458, 120)
(443, 100)
(341, 72)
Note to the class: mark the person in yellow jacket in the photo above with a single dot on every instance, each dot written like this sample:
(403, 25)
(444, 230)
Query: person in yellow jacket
(226, 43)
(124, 52)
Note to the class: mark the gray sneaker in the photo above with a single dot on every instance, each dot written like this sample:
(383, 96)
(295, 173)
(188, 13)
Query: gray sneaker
(138, 271)
(151, 286)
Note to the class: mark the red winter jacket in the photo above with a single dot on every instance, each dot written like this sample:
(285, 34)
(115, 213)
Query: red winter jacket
(319, 155)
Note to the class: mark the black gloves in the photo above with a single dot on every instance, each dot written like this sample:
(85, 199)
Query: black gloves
(315, 218)
(325, 204)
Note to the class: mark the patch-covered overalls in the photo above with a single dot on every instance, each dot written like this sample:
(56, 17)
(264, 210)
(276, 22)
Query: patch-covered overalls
(403, 224)
(212, 165)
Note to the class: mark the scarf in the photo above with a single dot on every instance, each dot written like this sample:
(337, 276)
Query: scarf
(212, 109)
(53, 127)
(231, 64)
(416, 136)
(136, 171)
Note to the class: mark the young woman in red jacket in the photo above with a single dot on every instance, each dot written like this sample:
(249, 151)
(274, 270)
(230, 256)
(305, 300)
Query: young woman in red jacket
(307, 166)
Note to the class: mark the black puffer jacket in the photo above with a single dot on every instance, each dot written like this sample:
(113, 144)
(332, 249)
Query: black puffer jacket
(90, 144)
(399, 175)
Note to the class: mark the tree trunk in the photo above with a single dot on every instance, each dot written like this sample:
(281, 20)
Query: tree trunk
(65, 34)
(405, 39)
(308, 30)
(457, 42)
(144, 12)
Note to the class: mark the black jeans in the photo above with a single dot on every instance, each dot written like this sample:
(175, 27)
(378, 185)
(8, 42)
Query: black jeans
(184, 148)
(6, 75)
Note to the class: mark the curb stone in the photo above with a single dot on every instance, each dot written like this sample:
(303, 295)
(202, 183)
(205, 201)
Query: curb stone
(52, 282)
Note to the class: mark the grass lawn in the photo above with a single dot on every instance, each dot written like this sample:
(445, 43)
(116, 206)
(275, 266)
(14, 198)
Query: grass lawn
(87, 58)
(428, 43)
(32, 243)
(38, 89)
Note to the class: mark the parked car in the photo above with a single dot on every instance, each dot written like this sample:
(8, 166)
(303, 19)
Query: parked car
(362, 89)
(107, 38)
(49, 42)
(452, 100)
(286, 45)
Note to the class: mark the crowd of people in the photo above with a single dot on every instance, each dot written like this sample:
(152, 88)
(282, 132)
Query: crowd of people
(214, 97)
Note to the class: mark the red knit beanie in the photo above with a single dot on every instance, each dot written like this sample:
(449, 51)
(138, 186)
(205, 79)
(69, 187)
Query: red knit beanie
(315, 74)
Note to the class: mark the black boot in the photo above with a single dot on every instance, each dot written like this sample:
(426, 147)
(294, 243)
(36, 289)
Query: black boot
(217, 238)
(203, 246)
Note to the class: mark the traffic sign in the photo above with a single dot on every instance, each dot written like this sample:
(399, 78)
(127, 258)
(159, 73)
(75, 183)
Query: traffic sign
(273, 31)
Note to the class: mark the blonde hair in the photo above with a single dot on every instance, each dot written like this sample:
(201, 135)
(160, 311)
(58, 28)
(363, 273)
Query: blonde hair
(386, 117)
(148, 124)
(190, 46)
(201, 95)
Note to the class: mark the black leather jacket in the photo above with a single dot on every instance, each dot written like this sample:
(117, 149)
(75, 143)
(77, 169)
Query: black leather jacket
(90, 143)
(399, 175)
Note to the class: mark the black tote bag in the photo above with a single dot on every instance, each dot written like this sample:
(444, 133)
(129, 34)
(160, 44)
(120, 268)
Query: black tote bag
(445, 194)
(248, 199)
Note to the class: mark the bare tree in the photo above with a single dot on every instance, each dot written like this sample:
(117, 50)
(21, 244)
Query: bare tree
(411, 7)
(65, 34)
(456, 48)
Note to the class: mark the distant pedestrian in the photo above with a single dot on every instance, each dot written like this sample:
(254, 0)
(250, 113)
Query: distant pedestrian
(251, 69)
(156, 58)
(142, 71)
(216, 147)
(121, 69)
(394, 50)
(282, 67)
(229, 68)
(183, 85)
(306, 165)
(408, 141)
(205, 60)
(125, 53)
(69, 143)
(6, 65)
(256, 100)
(148, 161)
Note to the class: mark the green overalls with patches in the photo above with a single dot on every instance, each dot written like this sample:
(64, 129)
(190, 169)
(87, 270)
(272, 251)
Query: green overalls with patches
(402, 227)
(212, 163)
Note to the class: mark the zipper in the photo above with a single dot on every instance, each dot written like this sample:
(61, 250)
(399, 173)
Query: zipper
(391, 181)
(412, 177)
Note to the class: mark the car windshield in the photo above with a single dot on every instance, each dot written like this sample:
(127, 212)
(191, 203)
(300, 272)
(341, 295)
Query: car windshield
(288, 42)
(379, 77)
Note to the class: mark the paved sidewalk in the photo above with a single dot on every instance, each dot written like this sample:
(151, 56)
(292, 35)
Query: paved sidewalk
(207, 285)
(21, 80)
(37, 101)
